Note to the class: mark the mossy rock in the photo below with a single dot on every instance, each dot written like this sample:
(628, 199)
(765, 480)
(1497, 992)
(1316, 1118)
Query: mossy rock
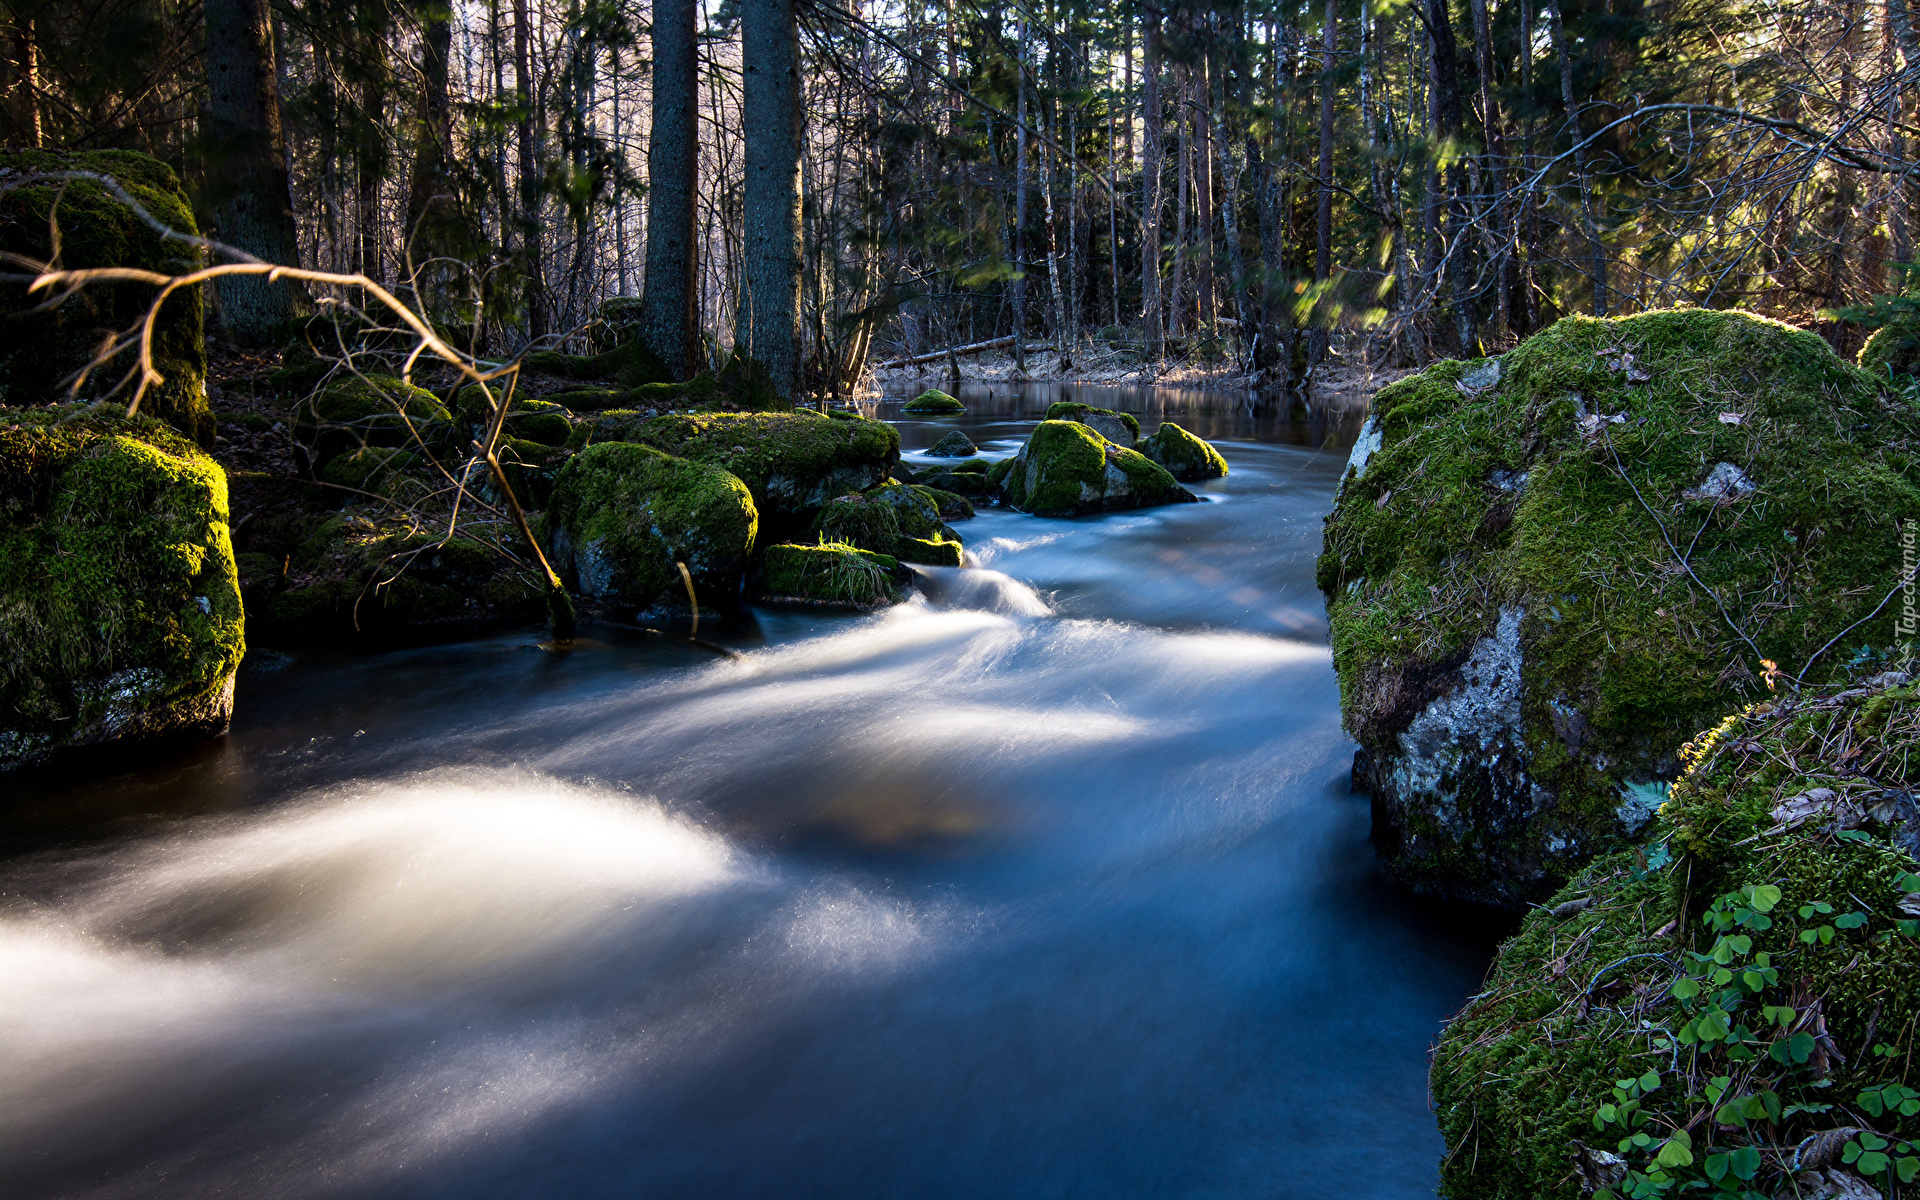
(614, 425)
(1066, 469)
(952, 506)
(620, 318)
(958, 483)
(1122, 429)
(1518, 642)
(586, 400)
(1584, 996)
(541, 421)
(374, 410)
(793, 462)
(367, 576)
(1187, 458)
(1893, 352)
(119, 601)
(829, 574)
(622, 515)
(997, 474)
(39, 350)
(933, 400)
(382, 470)
(954, 445)
(972, 465)
(898, 520)
(531, 468)
(629, 365)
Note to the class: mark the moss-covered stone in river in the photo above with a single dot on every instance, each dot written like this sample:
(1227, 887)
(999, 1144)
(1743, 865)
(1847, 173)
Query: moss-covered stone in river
(953, 445)
(1122, 429)
(1066, 468)
(1186, 457)
(899, 520)
(933, 400)
(39, 350)
(372, 410)
(119, 602)
(829, 573)
(952, 506)
(622, 515)
(793, 462)
(1811, 796)
(1528, 563)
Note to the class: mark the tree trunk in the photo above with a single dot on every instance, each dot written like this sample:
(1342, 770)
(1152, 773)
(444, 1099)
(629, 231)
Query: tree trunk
(430, 202)
(371, 158)
(1323, 222)
(1596, 251)
(670, 317)
(1020, 212)
(253, 201)
(531, 174)
(1151, 145)
(767, 327)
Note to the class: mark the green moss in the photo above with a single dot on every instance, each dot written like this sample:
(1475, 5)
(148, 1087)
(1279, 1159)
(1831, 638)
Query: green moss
(39, 350)
(972, 466)
(629, 365)
(1894, 349)
(894, 519)
(829, 573)
(1067, 468)
(375, 410)
(1186, 457)
(997, 473)
(793, 462)
(933, 400)
(1085, 413)
(1481, 499)
(622, 515)
(1577, 1002)
(119, 605)
(377, 469)
(951, 506)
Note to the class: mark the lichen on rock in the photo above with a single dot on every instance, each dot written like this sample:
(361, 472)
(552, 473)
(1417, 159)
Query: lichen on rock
(622, 515)
(1186, 457)
(1518, 493)
(39, 350)
(1784, 859)
(1067, 469)
(119, 602)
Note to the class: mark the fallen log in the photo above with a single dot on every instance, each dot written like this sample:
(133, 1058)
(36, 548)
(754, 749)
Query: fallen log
(951, 352)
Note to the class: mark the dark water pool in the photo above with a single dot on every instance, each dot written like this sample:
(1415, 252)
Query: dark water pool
(1045, 884)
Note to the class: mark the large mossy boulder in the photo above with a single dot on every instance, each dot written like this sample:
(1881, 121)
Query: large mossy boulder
(1732, 1009)
(371, 576)
(623, 515)
(369, 410)
(40, 350)
(829, 574)
(1544, 572)
(1066, 468)
(793, 462)
(1186, 457)
(119, 606)
(1122, 429)
(901, 521)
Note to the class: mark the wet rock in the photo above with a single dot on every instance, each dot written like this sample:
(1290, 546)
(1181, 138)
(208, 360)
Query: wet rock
(829, 574)
(900, 521)
(933, 400)
(954, 445)
(1122, 429)
(793, 463)
(119, 597)
(1066, 469)
(1187, 458)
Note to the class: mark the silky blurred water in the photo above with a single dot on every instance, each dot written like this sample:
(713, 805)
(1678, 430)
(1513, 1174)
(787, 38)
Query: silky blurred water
(1047, 883)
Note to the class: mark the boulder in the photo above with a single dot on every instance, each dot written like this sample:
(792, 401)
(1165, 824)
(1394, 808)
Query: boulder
(952, 506)
(954, 445)
(960, 483)
(1893, 352)
(381, 470)
(541, 421)
(622, 515)
(1122, 429)
(1740, 946)
(830, 574)
(793, 462)
(898, 520)
(119, 603)
(1066, 469)
(371, 410)
(933, 400)
(40, 350)
(371, 577)
(1186, 457)
(1522, 647)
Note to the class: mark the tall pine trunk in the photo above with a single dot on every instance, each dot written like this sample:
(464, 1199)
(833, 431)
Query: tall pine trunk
(670, 316)
(531, 172)
(767, 327)
(1152, 308)
(253, 200)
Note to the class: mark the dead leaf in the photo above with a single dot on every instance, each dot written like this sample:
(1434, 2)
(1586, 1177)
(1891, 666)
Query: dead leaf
(1732, 418)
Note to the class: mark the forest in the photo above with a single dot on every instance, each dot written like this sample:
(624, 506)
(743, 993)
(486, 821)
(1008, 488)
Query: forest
(1245, 184)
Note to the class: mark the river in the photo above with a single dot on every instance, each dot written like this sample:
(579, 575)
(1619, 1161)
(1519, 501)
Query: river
(1046, 883)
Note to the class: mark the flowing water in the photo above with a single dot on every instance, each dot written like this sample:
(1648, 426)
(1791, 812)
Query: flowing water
(1047, 883)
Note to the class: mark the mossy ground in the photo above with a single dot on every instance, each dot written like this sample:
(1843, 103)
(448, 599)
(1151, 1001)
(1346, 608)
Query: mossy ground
(118, 589)
(1530, 493)
(1576, 1003)
(622, 515)
(38, 350)
(371, 410)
